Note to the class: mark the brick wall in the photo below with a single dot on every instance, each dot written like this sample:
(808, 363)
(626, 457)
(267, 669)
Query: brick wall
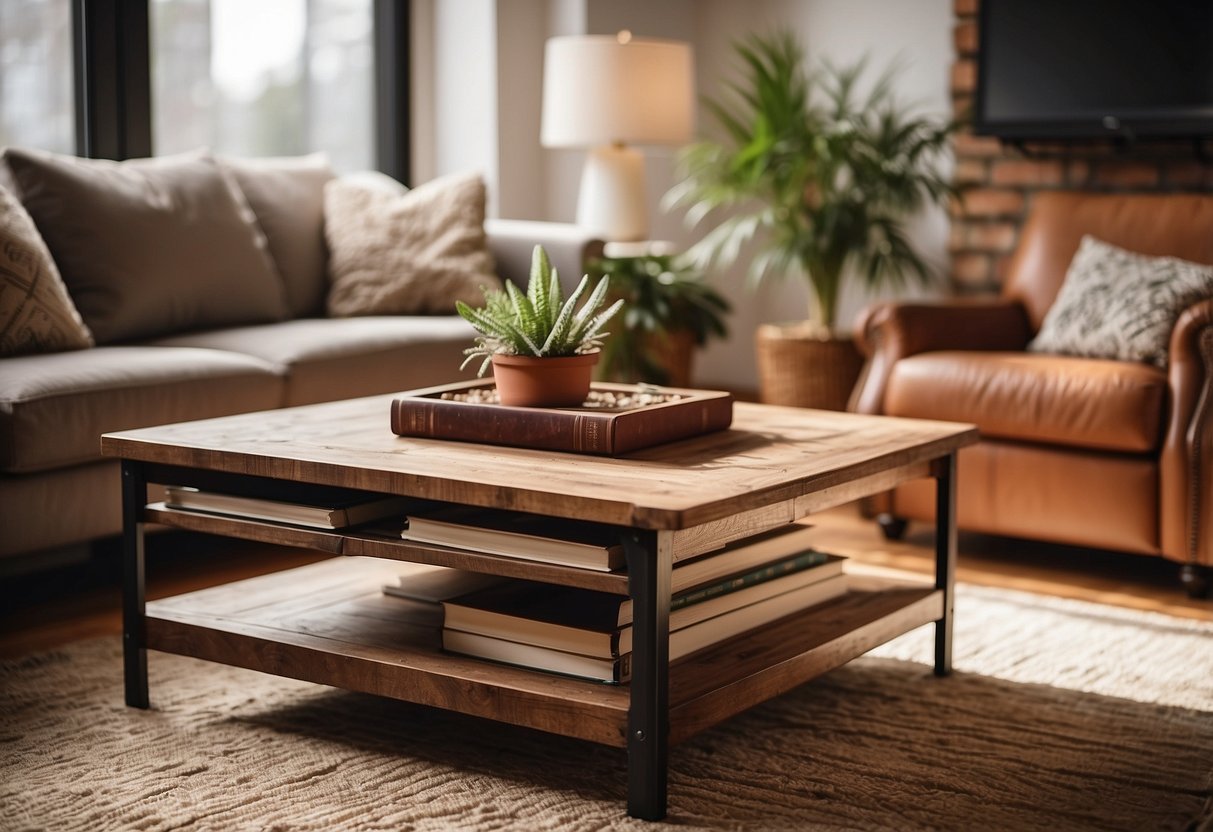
(999, 181)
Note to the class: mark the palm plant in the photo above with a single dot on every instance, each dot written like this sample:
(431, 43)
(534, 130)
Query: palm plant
(540, 323)
(821, 176)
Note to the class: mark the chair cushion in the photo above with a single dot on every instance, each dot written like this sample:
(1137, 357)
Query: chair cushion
(287, 195)
(150, 246)
(414, 253)
(1118, 304)
(54, 407)
(1082, 402)
(325, 359)
(36, 313)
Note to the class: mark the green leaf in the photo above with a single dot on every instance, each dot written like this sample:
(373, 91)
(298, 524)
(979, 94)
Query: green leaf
(815, 168)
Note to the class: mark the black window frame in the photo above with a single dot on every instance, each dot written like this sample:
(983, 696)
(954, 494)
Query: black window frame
(111, 57)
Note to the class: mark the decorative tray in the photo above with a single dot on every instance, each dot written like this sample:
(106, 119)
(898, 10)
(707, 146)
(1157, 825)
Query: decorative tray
(615, 418)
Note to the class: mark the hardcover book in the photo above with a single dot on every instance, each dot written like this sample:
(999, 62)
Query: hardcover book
(429, 584)
(526, 536)
(742, 555)
(617, 668)
(615, 419)
(318, 507)
(599, 623)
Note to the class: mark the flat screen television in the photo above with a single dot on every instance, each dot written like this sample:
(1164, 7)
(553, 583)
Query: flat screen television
(1051, 69)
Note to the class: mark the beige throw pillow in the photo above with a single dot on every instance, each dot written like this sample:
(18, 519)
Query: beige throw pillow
(405, 254)
(287, 195)
(36, 313)
(150, 246)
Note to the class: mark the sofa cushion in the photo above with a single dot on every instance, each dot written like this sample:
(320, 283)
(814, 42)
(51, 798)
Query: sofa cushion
(54, 407)
(287, 195)
(1114, 405)
(337, 358)
(36, 313)
(407, 254)
(32, 507)
(1119, 304)
(150, 246)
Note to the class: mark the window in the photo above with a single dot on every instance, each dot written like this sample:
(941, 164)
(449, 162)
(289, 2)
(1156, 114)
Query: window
(271, 78)
(36, 104)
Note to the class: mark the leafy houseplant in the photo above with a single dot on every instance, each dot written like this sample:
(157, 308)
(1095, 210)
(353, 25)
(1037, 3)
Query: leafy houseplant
(820, 177)
(669, 311)
(542, 347)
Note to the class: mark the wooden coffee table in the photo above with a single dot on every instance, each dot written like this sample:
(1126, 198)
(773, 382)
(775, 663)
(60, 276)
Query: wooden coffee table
(330, 623)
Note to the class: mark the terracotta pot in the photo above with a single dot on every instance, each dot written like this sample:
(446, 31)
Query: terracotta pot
(798, 368)
(527, 381)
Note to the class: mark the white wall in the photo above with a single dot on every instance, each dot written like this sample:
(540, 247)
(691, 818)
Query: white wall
(481, 94)
(454, 89)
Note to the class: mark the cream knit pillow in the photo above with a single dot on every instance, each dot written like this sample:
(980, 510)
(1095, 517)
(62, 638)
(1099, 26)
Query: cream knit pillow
(36, 313)
(407, 253)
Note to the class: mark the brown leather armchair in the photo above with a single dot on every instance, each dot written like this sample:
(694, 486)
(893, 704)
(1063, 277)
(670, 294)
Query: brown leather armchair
(1099, 453)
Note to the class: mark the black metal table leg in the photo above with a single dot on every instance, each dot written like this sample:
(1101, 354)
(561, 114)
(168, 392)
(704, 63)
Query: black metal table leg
(649, 710)
(945, 557)
(134, 643)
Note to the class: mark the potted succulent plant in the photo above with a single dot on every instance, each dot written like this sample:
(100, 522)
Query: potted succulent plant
(670, 311)
(821, 179)
(542, 347)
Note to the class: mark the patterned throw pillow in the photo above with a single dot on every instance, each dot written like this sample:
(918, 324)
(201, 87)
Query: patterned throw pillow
(36, 313)
(406, 253)
(1119, 304)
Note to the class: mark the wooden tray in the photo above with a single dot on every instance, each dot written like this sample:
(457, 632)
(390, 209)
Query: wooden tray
(616, 418)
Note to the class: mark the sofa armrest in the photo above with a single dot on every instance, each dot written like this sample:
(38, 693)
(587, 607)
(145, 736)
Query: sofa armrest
(569, 247)
(888, 332)
(1186, 464)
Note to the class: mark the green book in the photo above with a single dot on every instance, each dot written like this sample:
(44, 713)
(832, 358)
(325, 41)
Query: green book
(795, 563)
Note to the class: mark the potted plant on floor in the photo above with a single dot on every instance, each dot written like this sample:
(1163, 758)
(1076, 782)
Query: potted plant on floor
(821, 179)
(670, 311)
(542, 347)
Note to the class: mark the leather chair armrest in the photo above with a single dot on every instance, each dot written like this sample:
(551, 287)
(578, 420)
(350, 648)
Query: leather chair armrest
(888, 332)
(1186, 463)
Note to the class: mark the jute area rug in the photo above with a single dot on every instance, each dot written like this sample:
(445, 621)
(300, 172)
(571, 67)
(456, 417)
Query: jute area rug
(1061, 716)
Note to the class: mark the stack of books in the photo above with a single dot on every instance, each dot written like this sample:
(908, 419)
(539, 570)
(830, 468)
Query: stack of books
(300, 504)
(585, 633)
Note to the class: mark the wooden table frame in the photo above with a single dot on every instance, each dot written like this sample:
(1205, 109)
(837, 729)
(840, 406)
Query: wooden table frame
(849, 628)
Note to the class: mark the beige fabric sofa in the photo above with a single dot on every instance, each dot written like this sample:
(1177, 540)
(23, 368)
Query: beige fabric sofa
(56, 492)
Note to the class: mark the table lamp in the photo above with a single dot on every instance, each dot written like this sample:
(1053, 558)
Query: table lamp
(608, 92)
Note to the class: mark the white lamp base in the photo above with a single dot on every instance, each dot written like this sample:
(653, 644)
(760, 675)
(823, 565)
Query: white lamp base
(611, 202)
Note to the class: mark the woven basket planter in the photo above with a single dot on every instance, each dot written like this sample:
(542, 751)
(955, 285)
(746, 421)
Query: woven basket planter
(799, 369)
(676, 354)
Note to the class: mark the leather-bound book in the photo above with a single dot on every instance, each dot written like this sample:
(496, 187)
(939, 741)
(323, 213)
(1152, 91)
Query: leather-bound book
(616, 419)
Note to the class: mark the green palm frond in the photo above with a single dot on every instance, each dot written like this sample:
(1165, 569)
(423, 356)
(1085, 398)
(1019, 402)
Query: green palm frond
(814, 168)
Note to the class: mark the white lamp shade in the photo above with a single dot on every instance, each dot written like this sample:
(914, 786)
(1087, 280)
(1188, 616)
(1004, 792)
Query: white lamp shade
(598, 90)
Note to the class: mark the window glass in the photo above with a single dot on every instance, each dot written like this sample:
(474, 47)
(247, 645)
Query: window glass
(271, 78)
(36, 106)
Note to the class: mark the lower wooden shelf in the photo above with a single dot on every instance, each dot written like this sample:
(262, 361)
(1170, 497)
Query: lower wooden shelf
(330, 623)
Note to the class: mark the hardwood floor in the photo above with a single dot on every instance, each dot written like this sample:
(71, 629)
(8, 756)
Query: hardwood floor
(1123, 580)
(43, 611)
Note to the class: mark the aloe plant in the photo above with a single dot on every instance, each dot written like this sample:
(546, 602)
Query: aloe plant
(540, 322)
